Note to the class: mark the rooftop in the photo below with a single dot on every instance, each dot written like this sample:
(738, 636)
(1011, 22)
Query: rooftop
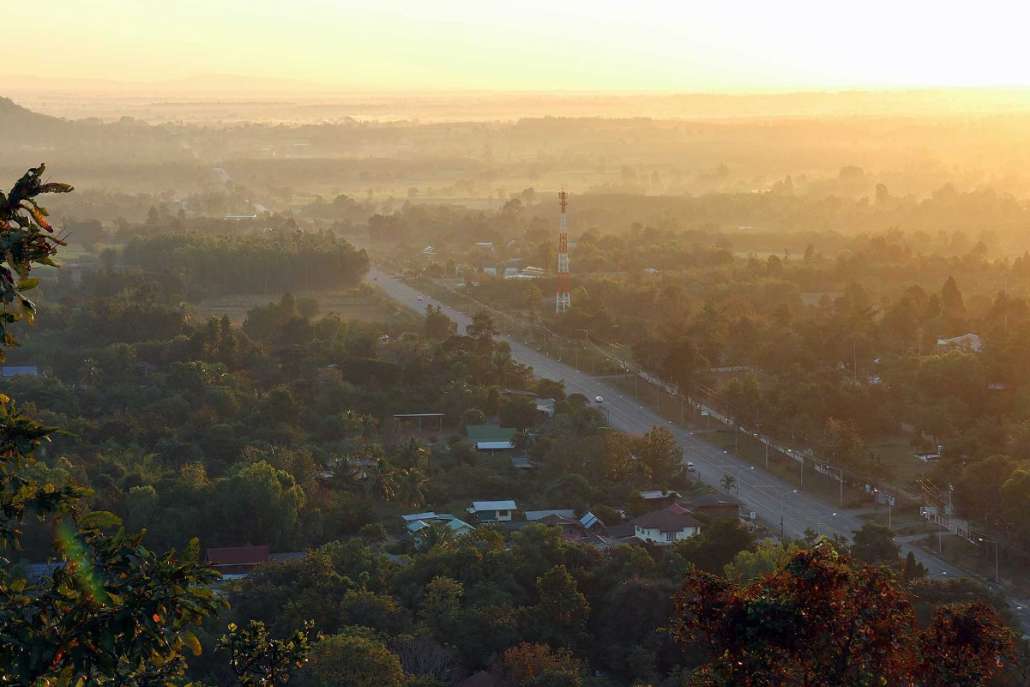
(238, 555)
(478, 506)
(666, 521)
(490, 434)
(653, 494)
(541, 514)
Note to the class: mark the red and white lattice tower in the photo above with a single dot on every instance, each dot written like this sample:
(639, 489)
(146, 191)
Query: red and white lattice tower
(563, 294)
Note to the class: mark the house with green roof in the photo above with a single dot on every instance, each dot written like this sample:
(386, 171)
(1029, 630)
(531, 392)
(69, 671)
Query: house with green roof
(491, 437)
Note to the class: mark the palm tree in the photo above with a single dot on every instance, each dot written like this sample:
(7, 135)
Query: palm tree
(410, 486)
(502, 366)
(384, 481)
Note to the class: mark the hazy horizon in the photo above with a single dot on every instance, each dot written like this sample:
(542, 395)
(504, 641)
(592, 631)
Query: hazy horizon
(536, 46)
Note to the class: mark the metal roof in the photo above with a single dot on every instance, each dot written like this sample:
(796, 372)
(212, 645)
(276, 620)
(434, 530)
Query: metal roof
(411, 517)
(494, 445)
(658, 494)
(541, 514)
(589, 520)
(478, 506)
(666, 521)
(489, 433)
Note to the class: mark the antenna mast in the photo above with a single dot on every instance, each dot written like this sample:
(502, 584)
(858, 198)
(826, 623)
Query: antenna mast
(563, 294)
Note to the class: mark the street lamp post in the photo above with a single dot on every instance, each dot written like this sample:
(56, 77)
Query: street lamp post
(995, 542)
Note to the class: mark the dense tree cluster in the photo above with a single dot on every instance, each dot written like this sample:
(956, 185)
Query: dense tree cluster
(270, 262)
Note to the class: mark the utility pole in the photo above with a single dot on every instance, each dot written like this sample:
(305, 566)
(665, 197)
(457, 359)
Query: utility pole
(996, 577)
(841, 487)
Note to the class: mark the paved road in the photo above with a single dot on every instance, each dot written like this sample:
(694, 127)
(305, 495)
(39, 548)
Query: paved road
(776, 502)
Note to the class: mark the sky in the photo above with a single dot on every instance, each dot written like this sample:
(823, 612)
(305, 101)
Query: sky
(526, 45)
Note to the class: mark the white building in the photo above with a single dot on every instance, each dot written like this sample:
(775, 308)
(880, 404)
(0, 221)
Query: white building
(665, 527)
(968, 342)
(493, 511)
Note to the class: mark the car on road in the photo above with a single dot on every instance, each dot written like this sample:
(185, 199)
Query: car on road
(599, 399)
(691, 467)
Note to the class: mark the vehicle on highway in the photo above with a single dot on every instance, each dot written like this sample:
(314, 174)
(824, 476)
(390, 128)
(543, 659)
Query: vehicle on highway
(691, 467)
(599, 399)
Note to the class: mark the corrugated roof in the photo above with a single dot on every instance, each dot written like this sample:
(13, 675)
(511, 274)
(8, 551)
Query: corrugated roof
(411, 517)
(652, 494)
(589, 520)
(666, 521)
(478, 506)
(541, 514)
(491, 433)
(494, 445)
(521, 463)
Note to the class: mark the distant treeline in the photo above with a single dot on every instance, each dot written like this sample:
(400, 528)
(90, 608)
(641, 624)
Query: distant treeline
(270, 262)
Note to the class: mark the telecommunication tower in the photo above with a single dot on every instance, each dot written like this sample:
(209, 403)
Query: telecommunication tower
(563, 294)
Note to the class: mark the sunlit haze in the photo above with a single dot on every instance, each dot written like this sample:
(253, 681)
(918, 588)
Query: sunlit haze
(515, 343)
(582, 45)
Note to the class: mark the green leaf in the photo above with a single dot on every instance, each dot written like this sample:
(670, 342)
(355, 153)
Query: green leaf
(191, 641)
(28, 284)
(100, 519)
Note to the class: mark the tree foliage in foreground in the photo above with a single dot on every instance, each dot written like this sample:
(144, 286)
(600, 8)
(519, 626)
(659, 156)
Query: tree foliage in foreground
(113, 612)
(823, 619)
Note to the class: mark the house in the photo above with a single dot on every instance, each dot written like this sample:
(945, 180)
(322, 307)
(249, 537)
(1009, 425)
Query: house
(37, 572)
(418, 524)
(522, 463)
(622, 532)
(533, 515)
(966, 342)
(589, 521)
(658, 495)
(714, 506)
(237, 561)
(665, 526)
(545, 406)
(19, 371)
(493, 511)
(491, 437)
(585, 530)
(928, 456)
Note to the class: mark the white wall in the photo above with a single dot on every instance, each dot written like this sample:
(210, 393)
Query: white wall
(658, 537)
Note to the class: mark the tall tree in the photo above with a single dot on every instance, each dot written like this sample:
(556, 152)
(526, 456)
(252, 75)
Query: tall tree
(821, 619)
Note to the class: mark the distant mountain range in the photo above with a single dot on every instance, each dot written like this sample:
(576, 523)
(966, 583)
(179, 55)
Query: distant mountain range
(21, 121)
